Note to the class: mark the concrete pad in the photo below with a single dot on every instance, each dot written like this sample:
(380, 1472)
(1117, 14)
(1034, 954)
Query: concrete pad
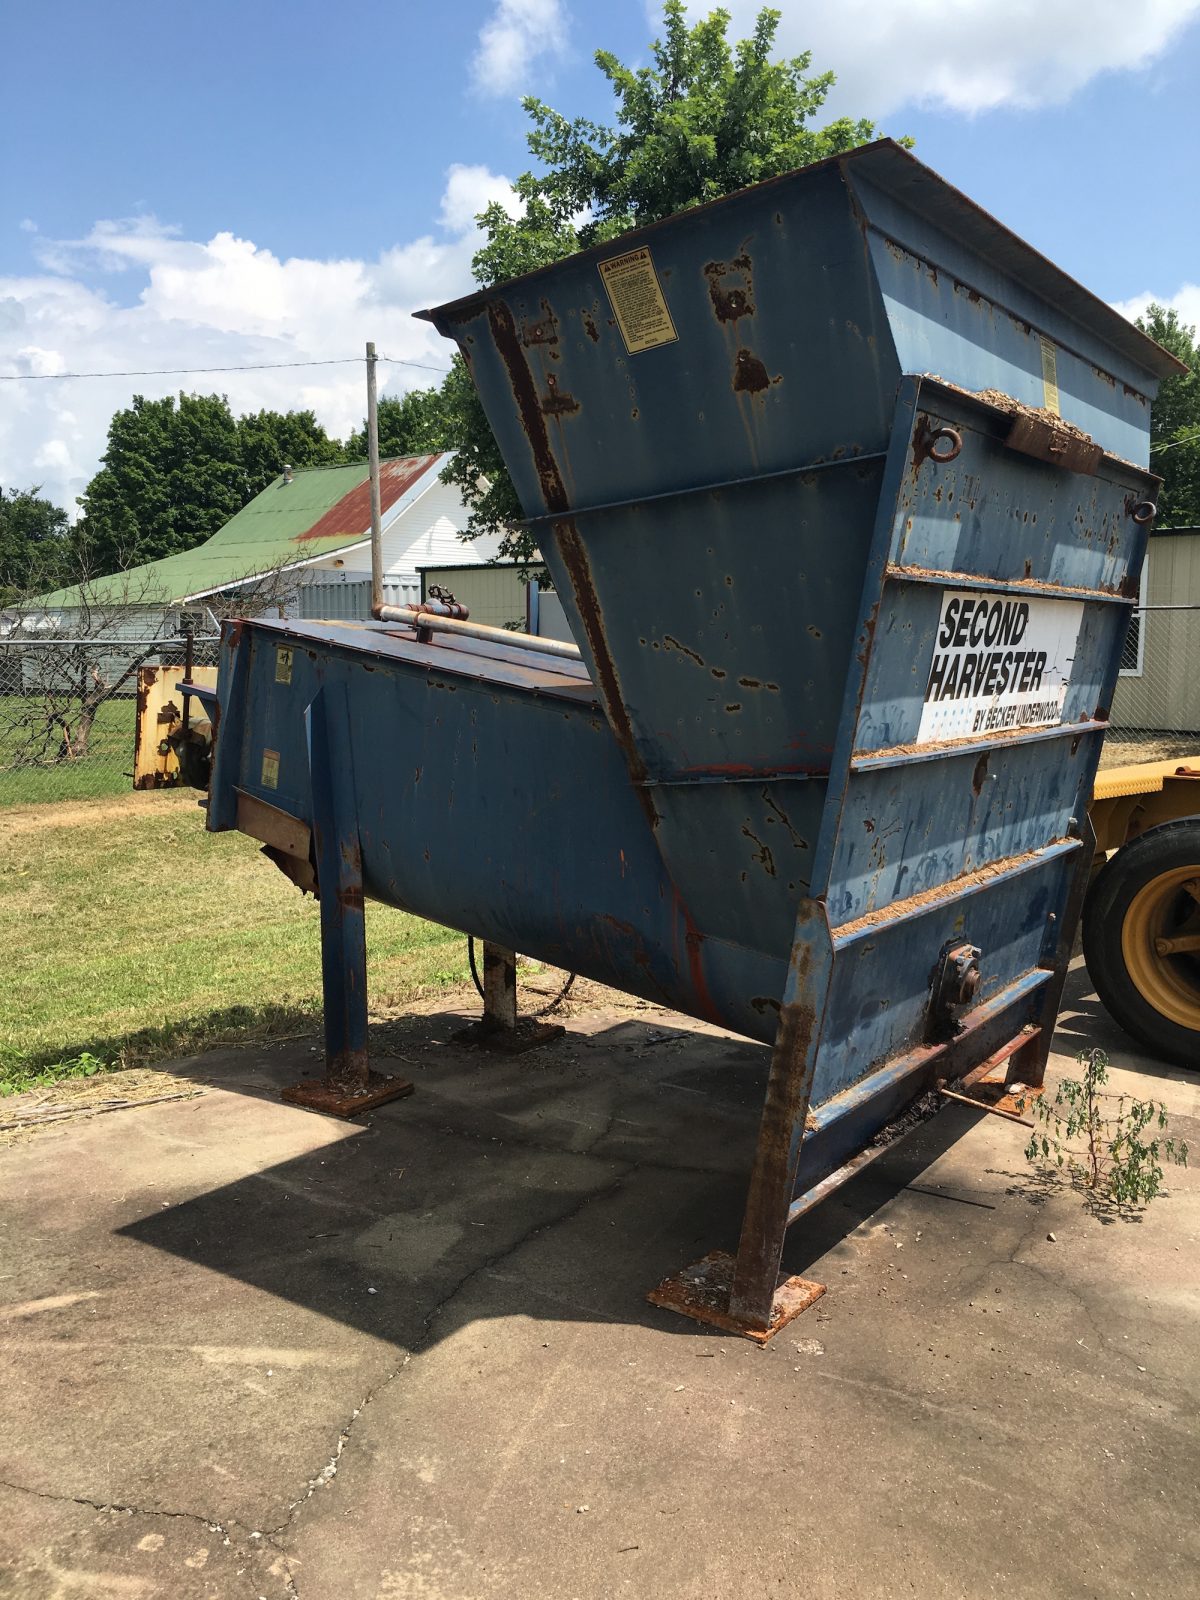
(413, 1357)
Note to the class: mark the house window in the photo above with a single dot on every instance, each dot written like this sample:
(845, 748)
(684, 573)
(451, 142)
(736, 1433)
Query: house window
(1133, 652)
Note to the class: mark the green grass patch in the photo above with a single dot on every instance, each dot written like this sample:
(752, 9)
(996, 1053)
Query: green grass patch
(106, 769)
(134, 936)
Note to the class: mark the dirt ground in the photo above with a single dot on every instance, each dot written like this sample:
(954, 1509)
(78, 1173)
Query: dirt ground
(251, 1351)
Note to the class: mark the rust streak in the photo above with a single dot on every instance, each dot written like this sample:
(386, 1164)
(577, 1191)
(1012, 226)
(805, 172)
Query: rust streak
(749, 374)
(586, 600)
(508, 345)
(737, 299)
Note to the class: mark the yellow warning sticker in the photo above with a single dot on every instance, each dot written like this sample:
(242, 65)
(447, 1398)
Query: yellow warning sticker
(637, 300)
(1049, 375)
(270, 769)
(283, 664)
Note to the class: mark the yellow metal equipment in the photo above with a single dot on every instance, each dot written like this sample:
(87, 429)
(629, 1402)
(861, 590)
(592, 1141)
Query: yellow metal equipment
(1141, 919)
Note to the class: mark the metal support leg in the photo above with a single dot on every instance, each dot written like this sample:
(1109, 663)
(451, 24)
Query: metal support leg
(747, 1295)
(500, 1027)
(1028, 1064)
(499, 987)
(349, 1086)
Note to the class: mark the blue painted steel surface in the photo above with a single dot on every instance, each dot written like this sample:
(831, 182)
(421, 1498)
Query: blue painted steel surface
(730, 807)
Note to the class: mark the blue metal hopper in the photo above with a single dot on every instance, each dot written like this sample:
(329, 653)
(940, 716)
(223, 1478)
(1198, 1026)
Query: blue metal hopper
(844, 491)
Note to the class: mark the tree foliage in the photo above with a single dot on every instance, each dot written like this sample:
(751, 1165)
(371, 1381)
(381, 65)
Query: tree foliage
(270, 440)
(706, 117)
(171, 476)
(174, 471)
(34, 542)
(412, 424)
(1175, 421)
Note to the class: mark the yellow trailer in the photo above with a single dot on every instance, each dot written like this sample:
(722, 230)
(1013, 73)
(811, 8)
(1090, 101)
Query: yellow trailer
(1141, 918)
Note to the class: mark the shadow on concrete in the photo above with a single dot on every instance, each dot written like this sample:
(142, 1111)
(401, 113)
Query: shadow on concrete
(562, 1184)
(1083, 1023)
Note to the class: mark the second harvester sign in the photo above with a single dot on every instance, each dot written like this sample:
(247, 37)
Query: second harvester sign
(999, 662)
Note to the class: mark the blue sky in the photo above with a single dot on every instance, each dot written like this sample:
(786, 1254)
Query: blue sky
(198, 184)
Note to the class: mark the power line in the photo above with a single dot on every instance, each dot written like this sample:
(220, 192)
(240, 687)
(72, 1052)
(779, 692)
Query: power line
(182, 372)
(1191, 437)
(400, 361)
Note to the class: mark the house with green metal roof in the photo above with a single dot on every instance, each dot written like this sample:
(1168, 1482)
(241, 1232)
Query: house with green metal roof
(310, 525)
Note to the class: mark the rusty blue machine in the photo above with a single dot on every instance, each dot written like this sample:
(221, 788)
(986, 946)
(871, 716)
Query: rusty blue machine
(843, 488)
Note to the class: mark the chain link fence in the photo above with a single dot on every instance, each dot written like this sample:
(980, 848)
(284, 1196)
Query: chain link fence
(68, 709)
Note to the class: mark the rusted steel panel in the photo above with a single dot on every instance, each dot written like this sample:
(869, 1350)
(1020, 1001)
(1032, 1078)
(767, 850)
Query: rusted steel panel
(159, 715)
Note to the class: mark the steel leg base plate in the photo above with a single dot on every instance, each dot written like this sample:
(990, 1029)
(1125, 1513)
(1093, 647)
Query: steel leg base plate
(335, 1101)
(487, 1035)
(702, 1293)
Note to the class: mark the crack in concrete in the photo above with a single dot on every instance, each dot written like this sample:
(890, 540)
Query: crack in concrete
(329, 1471)
(243, 1549)
(210, 1523)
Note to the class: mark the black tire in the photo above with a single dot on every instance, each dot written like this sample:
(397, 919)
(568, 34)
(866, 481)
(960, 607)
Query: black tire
(1123, 885)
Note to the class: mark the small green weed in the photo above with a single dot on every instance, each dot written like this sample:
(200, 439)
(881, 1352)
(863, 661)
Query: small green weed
(1116, 1154)
(17, 1079)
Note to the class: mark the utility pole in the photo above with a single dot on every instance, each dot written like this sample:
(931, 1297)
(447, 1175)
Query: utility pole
(376, 508)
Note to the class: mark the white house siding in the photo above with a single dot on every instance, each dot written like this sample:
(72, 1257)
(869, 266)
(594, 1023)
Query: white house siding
(337, 588)
(425, 534)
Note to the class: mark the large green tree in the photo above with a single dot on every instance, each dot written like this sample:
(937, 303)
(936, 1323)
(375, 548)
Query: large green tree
(174, 471)
(706, 117)
(270, 440)
(171, 476)
(1175, 421)
(411, 424)
(34, 542)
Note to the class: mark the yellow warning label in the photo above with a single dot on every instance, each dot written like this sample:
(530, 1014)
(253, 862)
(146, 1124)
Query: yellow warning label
(1049, 375)
(270, 769)
(637, 301)
(283, 664)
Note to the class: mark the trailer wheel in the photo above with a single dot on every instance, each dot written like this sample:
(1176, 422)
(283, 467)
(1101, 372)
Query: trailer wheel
(1141, 939)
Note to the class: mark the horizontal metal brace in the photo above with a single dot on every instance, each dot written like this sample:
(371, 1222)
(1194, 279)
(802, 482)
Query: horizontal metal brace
(1025, 587)
(985, 876)
(703, 488)
(758, 775)
(174, 642)
(974, 744)
(206, 695)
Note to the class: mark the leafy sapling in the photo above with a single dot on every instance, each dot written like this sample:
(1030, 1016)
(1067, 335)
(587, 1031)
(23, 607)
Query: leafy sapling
(1113, 1145)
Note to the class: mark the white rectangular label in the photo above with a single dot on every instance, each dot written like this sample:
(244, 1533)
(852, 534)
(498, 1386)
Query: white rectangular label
(1000, 661)
(637, 300)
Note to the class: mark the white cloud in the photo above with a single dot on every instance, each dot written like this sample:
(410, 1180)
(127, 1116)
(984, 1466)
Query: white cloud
(1186, 300)
(134, 296)
(516, 37)
(468, 190)
(972, 56)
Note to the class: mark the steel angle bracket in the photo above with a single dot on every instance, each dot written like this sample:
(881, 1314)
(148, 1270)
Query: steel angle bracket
(745, 1294)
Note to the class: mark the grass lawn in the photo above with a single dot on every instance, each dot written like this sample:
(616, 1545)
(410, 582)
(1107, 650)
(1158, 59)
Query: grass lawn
(104, 770)
(132, 935)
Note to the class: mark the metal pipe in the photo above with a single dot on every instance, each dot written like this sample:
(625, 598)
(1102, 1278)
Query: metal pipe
(376, 508)
(980, 1105)
(478, 630)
